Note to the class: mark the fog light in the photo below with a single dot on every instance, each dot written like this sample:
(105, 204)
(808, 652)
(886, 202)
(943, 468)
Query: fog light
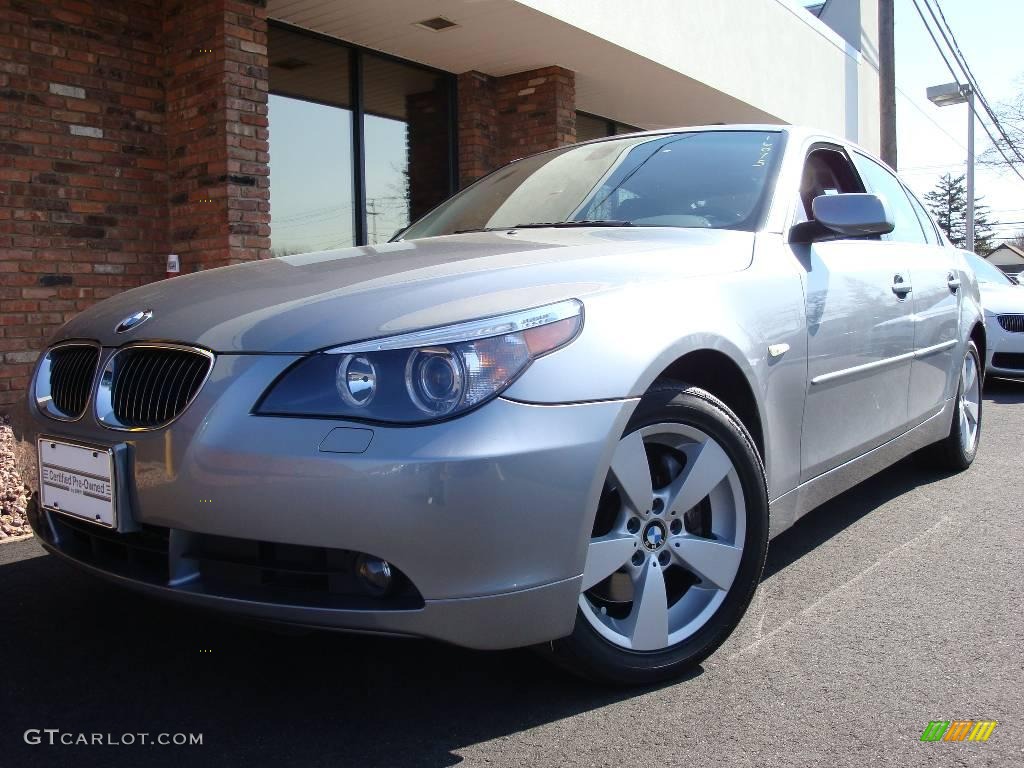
(374, 575)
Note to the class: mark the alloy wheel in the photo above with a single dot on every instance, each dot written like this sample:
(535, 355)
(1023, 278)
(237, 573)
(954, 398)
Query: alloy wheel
(668, 538)
(970, 404)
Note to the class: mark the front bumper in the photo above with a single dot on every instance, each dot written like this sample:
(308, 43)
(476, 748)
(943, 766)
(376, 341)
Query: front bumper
(1005, 350)
(488, 515)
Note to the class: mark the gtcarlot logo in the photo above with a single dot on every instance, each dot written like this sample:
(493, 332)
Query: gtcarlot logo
(55, 736)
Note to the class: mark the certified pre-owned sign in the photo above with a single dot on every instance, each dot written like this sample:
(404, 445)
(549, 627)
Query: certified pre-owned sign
(55, 736)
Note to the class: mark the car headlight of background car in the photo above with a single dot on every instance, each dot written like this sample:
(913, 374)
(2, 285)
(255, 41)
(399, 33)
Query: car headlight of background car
(425, 375)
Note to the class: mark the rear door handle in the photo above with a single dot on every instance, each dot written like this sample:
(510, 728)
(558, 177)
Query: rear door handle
(953, 282)
(901, 287)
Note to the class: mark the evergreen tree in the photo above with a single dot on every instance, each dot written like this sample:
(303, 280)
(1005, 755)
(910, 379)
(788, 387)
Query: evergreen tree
(948, 203)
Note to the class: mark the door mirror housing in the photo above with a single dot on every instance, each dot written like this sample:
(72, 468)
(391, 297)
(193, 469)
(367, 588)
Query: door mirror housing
(846, 215)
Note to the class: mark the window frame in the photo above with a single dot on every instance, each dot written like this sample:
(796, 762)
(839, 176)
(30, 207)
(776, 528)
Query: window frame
(919, 207)
(903, 187)
(359, 112)
(797, 205)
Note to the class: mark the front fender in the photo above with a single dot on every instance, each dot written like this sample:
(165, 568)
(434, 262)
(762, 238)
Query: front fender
(632, 334)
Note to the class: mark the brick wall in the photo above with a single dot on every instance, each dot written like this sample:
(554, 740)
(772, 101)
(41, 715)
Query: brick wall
(216, 86)
(503, 118)
(101, 104)
(137, 128)
(82, 168)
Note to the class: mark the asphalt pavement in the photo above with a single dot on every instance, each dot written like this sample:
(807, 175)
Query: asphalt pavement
(898, 603)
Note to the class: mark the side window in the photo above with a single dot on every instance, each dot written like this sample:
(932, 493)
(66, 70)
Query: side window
(882, 183)
(826, 172)
(926, 221)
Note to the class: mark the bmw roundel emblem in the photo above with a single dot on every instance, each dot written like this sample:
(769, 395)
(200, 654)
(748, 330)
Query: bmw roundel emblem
(133, 321)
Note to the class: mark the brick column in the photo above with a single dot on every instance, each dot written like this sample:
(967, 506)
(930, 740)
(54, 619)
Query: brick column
(128, 130)
(83, 205)
(479, 137)
(216, 85)
(504, 118)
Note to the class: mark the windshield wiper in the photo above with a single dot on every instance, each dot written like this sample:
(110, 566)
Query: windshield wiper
(552, 224)
(575, 223)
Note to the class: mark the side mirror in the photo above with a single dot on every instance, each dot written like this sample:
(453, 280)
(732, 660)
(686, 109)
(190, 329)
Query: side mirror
(847, 215)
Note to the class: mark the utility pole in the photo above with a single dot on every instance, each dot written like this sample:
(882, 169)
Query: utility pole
(887, 79)
(969, 93)
(372, 213)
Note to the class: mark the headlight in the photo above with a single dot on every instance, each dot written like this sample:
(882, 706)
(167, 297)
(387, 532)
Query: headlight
(425, 375)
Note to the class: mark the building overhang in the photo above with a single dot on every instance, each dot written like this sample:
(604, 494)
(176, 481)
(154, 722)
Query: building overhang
(657, 64)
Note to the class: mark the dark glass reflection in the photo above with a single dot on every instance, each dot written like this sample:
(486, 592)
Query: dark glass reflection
(406, 130)
(311, 181)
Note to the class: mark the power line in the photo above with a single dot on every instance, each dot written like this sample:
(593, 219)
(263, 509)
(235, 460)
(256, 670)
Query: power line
(935, 41)
(925, 168)
(930, 119)
(962, 60)
(971, 81)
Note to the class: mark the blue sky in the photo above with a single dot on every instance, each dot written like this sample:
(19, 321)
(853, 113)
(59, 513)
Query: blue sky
(933, 140)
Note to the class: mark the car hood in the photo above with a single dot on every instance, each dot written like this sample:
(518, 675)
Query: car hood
(1002, 299)
(306, 302)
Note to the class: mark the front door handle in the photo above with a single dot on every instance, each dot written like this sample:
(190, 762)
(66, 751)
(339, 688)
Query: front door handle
(901, 287)
(953, 282)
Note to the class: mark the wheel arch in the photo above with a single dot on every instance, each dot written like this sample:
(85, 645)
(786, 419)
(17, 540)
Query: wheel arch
(717, 372)
(979, 339)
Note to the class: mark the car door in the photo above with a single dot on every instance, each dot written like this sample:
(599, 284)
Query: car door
(935, 293)
(860, 333)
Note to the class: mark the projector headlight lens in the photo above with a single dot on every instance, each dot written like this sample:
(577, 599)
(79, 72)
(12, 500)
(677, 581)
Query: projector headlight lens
(425, 375)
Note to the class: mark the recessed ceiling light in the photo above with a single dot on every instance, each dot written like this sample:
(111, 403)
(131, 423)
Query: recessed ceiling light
(436, 24)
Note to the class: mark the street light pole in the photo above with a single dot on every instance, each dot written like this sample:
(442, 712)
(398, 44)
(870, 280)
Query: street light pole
(970, 168)
(943, 96)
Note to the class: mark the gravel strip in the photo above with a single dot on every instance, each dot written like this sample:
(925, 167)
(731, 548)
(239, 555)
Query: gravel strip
(13, 494)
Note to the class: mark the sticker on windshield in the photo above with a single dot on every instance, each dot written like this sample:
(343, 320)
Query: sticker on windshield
(766, 150)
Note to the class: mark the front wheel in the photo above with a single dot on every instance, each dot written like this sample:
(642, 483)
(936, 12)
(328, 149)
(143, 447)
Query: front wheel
(678, 543)
(957, 450)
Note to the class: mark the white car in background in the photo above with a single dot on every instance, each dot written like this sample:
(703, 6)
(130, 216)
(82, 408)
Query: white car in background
(1003, 301)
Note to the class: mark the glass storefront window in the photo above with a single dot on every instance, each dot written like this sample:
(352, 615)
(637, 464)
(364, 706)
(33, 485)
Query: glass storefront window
(590, 127)
(397, 117)
(406, 132)
(310, 115)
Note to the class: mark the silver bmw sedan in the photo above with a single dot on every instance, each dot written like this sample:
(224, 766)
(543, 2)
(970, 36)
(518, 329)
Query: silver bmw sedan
(568, 408)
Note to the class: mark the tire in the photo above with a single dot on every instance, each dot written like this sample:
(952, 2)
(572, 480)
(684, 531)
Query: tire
(956, 451)
(687, 438)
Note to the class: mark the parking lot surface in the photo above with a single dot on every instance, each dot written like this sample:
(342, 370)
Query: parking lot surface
(898, 603)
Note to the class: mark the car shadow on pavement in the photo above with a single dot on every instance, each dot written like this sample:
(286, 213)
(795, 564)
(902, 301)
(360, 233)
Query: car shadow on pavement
(1007, 391)
(86, 657)
(833, 517)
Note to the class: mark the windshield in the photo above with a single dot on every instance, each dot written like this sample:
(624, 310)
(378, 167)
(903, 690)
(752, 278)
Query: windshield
(707, 179)
(987, 272)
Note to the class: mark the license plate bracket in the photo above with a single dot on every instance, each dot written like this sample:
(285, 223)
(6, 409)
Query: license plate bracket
(78, 480)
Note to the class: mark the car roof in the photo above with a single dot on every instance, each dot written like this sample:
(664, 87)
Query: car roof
(797, 132)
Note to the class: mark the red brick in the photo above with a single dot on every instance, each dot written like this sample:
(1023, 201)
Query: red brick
(502, 118)
(106, 211)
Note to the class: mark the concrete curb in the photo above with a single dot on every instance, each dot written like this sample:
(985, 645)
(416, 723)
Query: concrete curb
(12, 539)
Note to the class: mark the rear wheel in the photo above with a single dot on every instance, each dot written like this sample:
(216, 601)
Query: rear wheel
(678, 542)
(957, 450)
